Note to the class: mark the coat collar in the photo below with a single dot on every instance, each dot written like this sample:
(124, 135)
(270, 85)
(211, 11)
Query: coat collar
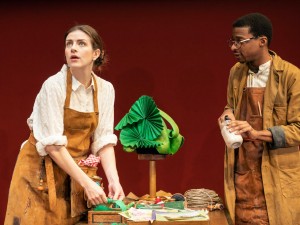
(276, 70)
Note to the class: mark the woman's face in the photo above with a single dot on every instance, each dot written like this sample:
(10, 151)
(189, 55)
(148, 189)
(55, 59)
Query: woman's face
(79, 51)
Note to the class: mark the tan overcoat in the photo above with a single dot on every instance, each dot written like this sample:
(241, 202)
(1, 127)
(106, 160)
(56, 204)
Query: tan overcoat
(281, 159)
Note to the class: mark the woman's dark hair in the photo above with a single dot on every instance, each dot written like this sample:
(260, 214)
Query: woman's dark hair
(259, 25)
(96, 40)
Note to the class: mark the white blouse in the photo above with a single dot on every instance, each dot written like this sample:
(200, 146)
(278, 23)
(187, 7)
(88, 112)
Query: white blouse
(46, 119)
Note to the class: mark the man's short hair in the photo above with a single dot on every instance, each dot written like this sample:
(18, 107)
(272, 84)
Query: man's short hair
(259, 25)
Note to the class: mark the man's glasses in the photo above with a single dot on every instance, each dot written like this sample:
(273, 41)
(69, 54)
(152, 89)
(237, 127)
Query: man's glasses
(238, 44)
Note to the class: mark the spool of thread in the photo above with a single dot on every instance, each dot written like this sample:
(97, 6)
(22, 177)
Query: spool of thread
(231, 139)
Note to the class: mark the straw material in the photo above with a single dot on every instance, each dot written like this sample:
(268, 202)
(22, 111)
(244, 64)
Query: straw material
(201, 198)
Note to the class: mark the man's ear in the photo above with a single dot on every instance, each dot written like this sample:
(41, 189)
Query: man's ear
(263, 41)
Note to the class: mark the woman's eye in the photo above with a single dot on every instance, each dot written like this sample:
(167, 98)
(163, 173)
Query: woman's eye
(81, 44)
(68, 44)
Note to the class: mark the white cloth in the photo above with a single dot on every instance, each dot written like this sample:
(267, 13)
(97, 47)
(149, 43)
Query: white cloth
(260, 78)
(46, 119)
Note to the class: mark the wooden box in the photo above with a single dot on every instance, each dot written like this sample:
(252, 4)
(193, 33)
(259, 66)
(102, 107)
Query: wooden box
(104, 217)
(129, 222)
(109, 217)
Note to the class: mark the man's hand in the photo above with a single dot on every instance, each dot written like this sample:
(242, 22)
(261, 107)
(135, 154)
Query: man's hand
(243, 128)
(221, 119)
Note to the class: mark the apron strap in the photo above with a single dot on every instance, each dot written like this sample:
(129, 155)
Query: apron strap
(69, 88)
(49, 175)
(50, 182)
(95, 98)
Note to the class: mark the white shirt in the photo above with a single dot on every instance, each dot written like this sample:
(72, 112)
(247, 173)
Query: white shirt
(260, 78)
(46, 119)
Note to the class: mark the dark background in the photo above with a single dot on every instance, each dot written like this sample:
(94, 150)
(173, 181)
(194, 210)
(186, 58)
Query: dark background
(174, 51)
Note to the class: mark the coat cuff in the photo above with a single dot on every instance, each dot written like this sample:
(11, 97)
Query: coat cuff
(278, 137)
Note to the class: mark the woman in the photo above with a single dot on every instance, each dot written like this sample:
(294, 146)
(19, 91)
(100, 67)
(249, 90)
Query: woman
(72, 116)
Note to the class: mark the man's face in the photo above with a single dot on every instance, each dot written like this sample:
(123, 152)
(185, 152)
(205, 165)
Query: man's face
(245, 46)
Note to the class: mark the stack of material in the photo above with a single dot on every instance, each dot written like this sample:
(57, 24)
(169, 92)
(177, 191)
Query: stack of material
(203, 198)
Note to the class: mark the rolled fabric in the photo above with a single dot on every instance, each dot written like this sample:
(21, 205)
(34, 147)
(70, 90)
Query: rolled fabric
(91, 161)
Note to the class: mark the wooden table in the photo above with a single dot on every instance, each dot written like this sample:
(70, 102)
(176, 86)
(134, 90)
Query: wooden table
(217, 217)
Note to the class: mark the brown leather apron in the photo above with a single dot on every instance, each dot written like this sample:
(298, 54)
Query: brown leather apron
(250, 200)
(53, 205)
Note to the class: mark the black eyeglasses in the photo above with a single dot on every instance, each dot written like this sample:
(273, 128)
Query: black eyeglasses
(238, 44)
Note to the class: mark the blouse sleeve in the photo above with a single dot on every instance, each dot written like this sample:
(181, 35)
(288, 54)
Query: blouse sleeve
(47, 115)
(104, 133)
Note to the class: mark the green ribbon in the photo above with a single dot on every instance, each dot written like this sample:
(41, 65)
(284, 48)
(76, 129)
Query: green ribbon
(117, 205)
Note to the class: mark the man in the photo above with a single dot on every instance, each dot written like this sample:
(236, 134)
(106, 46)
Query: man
(262, 176)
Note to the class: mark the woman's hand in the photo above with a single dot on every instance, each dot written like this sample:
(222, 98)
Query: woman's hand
(115, 191)
(94, 193)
